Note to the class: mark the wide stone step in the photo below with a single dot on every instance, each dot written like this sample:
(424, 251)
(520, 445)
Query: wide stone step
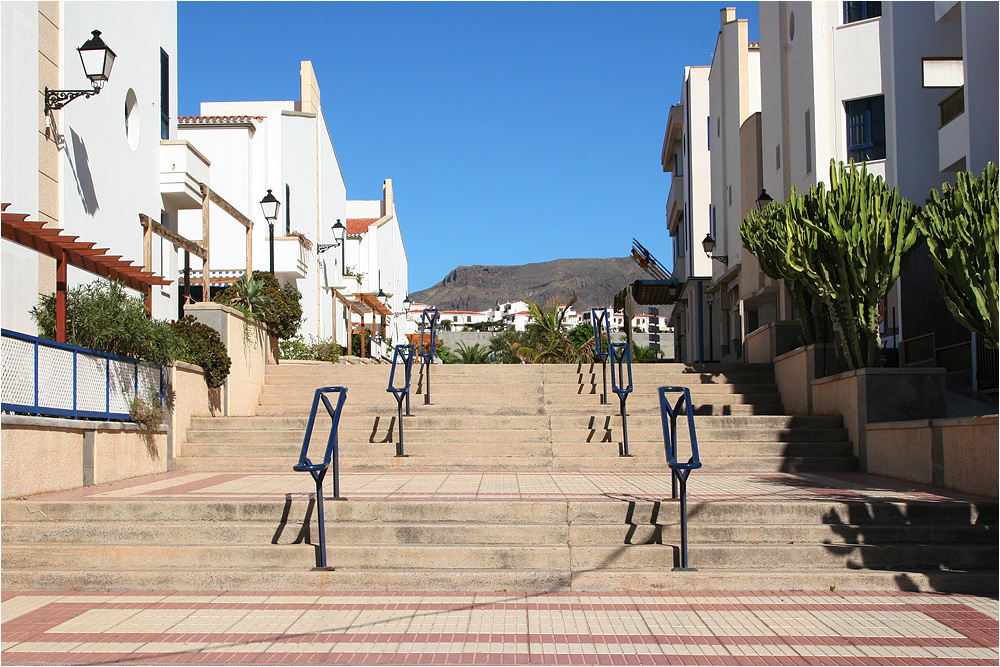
(429, 444)
(631, 510)
(483, 410)
(347, 579)
(419, 420)
(665, 531)
(610, 461)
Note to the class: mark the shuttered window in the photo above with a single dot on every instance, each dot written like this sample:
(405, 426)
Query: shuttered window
(164, 95)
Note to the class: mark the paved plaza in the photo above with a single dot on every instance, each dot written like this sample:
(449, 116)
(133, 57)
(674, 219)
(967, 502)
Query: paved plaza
(628, 628)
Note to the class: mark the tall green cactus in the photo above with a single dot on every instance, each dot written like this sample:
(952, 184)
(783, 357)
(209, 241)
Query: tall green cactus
(764, 234)
(961, 230)
(851, 242)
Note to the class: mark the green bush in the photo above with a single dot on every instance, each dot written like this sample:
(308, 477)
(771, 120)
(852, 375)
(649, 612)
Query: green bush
(204, 347)
(102, 316)
(281, 308)
(316, 349)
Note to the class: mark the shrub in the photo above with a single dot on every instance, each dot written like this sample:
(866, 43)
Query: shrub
(282, 311)
(204, 347)
(316, 349)
(102, 316)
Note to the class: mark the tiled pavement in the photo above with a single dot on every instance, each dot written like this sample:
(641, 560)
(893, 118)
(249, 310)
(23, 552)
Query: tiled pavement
(362, 628)
(535, 485)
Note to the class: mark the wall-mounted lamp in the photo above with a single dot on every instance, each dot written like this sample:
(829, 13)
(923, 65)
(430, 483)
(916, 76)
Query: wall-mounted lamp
(763, 199)
(708, 243)
(338, 237)
(97, 59)
(270, 205)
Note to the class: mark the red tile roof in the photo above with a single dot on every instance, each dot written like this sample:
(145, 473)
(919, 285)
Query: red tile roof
(358, 226)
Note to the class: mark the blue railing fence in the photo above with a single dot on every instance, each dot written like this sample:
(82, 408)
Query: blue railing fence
(679, 471)
(330, 460)
(402, 357)
(620, 355)
(43, 377)
(600, 322)
(428, 350)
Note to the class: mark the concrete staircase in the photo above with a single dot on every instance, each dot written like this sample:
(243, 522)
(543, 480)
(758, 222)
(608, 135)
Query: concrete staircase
(523, 418)
(515, 418)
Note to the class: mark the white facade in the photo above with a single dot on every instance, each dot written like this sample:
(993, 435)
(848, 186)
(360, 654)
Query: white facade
(90, 173)
(285, 147)
(685, 154)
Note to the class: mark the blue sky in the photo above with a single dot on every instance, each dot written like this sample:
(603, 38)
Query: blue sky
(512, 132)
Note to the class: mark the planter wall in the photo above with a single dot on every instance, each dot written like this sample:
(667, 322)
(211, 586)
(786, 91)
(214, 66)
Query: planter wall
(958, 454)
(765, 344)
(794, 372)
(871, 395)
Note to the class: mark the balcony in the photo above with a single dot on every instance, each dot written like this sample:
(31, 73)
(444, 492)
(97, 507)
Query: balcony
(291, 255)
(182, 170)
(953, 135)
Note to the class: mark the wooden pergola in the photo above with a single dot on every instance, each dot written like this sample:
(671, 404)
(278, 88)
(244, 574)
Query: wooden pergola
(69, 251)
(359, 304)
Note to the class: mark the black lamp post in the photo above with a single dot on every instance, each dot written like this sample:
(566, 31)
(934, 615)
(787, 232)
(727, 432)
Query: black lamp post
(340, 233)
(407, 302)
(710, 299)
(270, 205)
(708, 243)
(97, 59)
(763, 199)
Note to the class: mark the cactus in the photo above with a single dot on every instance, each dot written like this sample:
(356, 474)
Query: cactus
(851, 242)
(764, 234)
(961, 230)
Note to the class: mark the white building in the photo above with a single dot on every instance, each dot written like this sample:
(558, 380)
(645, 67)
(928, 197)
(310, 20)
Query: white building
(93, 167)
(685, 154)
(285, 147)
(907, 87)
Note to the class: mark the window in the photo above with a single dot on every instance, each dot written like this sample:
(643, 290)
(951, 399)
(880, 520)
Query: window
(164, 95)
(680, 238)
(859, 11)
(777, 157)
(943, 73)
(678, 168)
(730, 195)
(809, 143)
(866, 129)
(709, 133)
(711, 221)
(288, 210)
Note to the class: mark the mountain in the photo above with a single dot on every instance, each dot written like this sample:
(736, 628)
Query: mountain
(476, 288)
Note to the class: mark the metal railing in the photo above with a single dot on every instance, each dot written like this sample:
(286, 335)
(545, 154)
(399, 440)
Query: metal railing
(952, 106)
(428, 326)
(43, 377)
(600, 321)
(402, 355)
(621, 383)
(679, 471)
(330, 459)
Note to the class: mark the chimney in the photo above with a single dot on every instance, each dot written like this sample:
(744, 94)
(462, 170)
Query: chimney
(728, 15)
(388, 208)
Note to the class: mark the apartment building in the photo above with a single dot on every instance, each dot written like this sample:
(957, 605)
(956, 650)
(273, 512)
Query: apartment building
(91, 165)
(319, 241)
(685, 155)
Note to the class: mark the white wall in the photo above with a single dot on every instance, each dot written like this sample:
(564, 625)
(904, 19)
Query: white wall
(19, 135)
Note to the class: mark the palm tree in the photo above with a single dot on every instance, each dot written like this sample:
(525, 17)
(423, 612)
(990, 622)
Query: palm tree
(474, 354)
(550, 343)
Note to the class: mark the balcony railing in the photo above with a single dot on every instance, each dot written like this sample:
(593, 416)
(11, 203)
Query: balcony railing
(43, 377)
(952, 106)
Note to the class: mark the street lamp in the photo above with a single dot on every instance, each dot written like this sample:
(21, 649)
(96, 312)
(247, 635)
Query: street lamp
(407, 302)
(763, 199)
(708, 243)
(710, 299)
(270, 205)
(97, 59)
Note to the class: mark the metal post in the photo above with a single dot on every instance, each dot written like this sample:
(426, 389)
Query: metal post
(684, 534)
(409, 370)
(321, 519)
(624, 451)
(604, 375)
(399, 410)
(270, 224)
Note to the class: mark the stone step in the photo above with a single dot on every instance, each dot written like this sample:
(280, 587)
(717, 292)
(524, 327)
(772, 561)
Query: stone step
(301, 387)
(484, 410)
(511, 422)
(759, 464)
(429, 444)
(359, 532)
(346, 579)
(633, 511)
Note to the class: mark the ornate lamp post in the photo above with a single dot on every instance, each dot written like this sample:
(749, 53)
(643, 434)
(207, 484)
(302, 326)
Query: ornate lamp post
(270, 205)
(97, 59)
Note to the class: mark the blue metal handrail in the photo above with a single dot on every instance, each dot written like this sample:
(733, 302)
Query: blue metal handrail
(679, 471)
(402, 354)
(330, 459)
(601, 349)
(621, 383)
(428, 322)
(36, 406)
